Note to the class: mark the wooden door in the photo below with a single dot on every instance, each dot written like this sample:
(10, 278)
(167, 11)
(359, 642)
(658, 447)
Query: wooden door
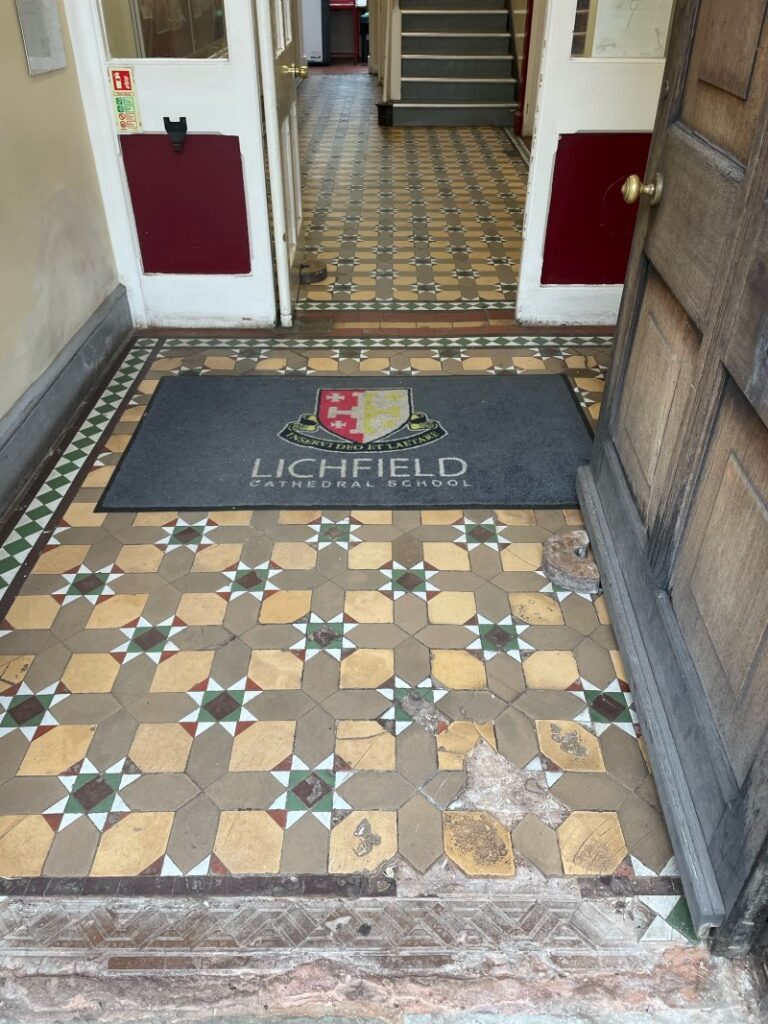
(676, 497)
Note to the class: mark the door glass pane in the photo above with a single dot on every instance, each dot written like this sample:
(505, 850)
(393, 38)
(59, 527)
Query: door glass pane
(165, 28)
(621, 29)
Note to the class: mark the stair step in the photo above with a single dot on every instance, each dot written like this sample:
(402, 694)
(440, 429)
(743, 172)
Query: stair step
(425, 65)
(453, 43)
(469, 22)
(465, 90)
(453, 115)
(451, 5)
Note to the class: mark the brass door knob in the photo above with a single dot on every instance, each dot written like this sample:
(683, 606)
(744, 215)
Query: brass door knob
(633, 188)
(297, 70)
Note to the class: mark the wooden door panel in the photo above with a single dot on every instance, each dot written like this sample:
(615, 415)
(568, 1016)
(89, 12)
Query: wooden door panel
(720, 586)
(657, 389)
(690, 227)
(726, 83)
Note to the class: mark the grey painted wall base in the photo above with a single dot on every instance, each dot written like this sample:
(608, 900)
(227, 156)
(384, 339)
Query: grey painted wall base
(34, 425)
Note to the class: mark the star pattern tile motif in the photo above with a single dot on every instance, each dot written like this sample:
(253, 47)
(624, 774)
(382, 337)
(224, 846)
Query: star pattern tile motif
(151, 639)
(327, 636)
(410, 704)
(87, 584)
(501, 637)
(310, 791)
(28, 711)
(249, 579)
(221, 705)
(414, 579)
(93, 795)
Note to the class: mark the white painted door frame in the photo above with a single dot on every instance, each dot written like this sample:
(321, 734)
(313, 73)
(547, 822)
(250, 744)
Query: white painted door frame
(576, 95)
(217, 96)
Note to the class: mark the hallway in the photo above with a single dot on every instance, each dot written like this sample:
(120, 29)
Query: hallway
(405, 218)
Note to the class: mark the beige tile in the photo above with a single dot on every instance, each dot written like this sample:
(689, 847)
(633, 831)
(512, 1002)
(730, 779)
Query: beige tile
(25, 840)
(61, 558)
(440, 516)
(368, 606)
(363, 841)
(455, 742)
(117, 611)
(521, 558)
(80, 513)
(370, 555)
(202, 609)
(139, 558)
(217, 557)
(272, 364)
(154, 518)
(117, 442)
(458, 670)
(515, 517)
(182, 671)
(452, 608)
(90, 673)
(32, 612)
(601, 608)
(591, 843)
(56, 750)
(570, 746)
(249, 842)
(367, 669)
(365, 746)
(573, 517)
(100, 476)
(446, 556)
(479, 844)
(297, 516)
(262, 746)
(294, 555)
(276, 670)
(161, 747)
(618, 665)
(372, 517)
(285, 606)
(219, 363)
(13, 669)
(550, 670)
(134, 843)
(536, 609)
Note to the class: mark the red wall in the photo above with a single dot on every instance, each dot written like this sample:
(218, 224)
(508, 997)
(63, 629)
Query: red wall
(589, 229)
(189, 207)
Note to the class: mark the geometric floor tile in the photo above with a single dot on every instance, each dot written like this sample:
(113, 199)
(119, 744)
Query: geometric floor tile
(414, 579)
(309, 791)
(611, 705)
(410, 703)
(29, 712)
(221, 705)
(496, 637)
(93, 794)
(144, 637)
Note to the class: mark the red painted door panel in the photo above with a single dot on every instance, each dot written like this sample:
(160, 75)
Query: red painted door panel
(590, 227)
(189, 207)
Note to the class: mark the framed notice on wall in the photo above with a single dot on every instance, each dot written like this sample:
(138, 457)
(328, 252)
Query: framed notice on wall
(42, 35)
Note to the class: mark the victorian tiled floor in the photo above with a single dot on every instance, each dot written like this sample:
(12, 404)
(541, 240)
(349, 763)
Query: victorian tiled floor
(281, 692)
(411, 218)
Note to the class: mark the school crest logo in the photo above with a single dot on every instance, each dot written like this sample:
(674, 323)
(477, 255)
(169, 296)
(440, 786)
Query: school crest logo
(363, 420)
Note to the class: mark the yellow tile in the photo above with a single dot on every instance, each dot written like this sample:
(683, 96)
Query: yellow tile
(515, 517)
(32, 612)
(570, 746)
(148, 387)
(134, 843)
(365, 746)
(80, 513)
(217, 558)
(451, 607)
(160, 747)
(166, 363)
(61, 558)
(285, 606)
(154, 518)
(367, 669)
(99, 477)
(455, 742)
(294, 555)
(601, 607)
(426, 365)
(550, 670)
(573, 517)
(521, 557)
(262, 746)
(372, 517)
(458, 670)
(276, 670)
(297, 517)
(132, 414)
(13, 668)
(182, 671)
(25, 840)
(268, 365)
(363, 841)
(373, 365)
(536, 609)
(139, 558)
(56, 750)
(368, 606)
(202, 609)
(116, 611)
(117, 442)
(590, 383)
(90, 673)
(446, 556)
(322, 363)
(529, 363)
(219, 363)
(476, 363)
(478, 844)
(231, 517)
(249, 842)
(591, 843)
(370, 555)
(440, 516)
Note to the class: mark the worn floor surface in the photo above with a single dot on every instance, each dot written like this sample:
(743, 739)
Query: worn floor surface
(407, 218)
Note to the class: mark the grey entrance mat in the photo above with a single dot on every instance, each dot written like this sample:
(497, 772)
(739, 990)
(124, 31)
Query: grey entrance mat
(354, 442)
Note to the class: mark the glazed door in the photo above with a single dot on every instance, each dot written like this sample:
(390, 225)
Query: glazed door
(676, 497)
(171, 94)
(281, 62)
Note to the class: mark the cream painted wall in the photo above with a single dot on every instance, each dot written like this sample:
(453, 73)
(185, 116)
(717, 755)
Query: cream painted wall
(56, 262)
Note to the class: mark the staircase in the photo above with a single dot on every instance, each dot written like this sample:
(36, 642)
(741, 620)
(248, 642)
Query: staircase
(458, 64)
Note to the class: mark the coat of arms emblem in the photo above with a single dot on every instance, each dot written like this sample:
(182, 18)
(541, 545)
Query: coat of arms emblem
(363, 420)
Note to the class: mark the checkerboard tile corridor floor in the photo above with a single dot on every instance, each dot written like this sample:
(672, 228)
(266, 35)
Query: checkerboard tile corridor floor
(271, 693)
(405, 218)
